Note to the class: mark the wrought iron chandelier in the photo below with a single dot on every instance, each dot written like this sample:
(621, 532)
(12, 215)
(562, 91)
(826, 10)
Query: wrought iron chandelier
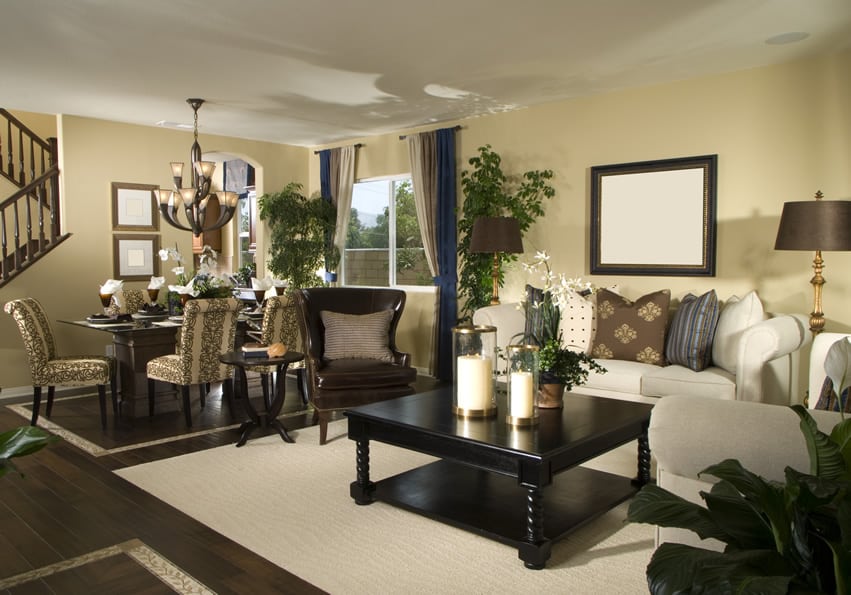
(195, 198)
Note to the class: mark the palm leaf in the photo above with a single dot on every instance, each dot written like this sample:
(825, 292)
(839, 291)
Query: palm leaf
(20, 442)
(826, 460)
(657, 506)
(762, 496)
(739, 519)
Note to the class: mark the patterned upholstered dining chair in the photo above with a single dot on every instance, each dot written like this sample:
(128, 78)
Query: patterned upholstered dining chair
(280, 325)
(49, 369)
(131, 300)
(209, 329)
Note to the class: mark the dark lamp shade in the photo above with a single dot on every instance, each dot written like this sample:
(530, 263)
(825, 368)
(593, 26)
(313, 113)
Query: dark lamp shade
(496, 234)
(815, 225)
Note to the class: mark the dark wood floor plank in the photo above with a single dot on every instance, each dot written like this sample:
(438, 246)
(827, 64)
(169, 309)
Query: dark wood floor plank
(71, 504)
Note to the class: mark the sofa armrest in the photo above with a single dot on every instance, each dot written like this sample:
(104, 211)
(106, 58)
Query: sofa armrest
(509, 320)
(761, 343)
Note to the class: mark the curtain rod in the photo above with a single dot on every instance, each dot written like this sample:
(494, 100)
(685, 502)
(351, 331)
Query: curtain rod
(357, 146)
(404, 136)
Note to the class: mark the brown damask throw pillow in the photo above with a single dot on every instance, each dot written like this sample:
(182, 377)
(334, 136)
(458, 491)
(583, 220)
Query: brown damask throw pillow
(633, 331)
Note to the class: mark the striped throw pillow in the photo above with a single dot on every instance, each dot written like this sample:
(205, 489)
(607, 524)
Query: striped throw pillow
(357, 336)
(689, 341)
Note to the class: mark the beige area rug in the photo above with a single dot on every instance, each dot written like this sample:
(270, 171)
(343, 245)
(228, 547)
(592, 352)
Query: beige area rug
(290, 503)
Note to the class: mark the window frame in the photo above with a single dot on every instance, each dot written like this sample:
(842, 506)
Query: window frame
(391, 240)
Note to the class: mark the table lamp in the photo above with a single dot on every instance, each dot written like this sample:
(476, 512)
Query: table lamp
(496, 235)
(815, 225)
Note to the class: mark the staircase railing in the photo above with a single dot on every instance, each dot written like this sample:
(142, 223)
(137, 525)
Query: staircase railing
(29, 218)
(23, 154)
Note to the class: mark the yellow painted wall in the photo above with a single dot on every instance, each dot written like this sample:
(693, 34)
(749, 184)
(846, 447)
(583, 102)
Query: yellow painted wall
(780, 133)
(93, 154)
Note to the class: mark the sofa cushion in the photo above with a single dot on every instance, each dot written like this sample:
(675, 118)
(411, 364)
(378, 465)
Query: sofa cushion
(577, 321)
(689, 339)
(672, 380)
(828, 400)
(357, 336)
(534, 319)
(621, 376)
(633, 331)
(736, 316)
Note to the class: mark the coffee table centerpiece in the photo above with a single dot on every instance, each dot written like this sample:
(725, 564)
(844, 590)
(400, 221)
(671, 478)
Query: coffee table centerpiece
(474, 363)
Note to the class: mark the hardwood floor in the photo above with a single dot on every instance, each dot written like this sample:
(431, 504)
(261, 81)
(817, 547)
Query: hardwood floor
(89, 531)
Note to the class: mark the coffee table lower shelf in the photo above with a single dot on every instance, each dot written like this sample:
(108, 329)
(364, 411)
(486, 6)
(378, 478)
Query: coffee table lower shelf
(495, 506)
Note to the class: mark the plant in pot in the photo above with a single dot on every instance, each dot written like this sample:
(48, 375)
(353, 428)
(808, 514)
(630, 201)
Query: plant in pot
(488, 192)
(561, 366)
(299, 231)
(781, 537)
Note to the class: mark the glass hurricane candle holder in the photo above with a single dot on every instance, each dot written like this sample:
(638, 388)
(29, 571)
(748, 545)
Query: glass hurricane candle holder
(523, 367)
(474, 356)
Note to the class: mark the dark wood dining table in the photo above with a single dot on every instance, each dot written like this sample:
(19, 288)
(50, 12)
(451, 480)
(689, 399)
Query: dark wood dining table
(138, 342)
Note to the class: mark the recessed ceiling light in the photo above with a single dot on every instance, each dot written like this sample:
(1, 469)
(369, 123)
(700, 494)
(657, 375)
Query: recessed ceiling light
(785, 38)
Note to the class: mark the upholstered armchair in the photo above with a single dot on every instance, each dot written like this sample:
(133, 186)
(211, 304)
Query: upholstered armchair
(350, 349)
(209, 329)
(49, 369)
(280, 325)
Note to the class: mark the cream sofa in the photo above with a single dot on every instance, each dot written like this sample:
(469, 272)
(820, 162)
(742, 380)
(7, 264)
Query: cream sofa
(688, 434)
(759, 355)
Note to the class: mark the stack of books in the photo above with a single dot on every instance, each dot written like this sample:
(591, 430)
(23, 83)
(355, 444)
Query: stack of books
(255, 350)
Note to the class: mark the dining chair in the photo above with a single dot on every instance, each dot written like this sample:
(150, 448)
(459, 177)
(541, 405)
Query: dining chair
(280, 325)
(131, 300)
(208, 330)
(49, 369)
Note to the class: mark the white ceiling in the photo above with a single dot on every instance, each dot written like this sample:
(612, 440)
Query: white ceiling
(312, 72)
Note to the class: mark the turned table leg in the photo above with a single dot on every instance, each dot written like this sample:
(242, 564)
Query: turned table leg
(362, 490)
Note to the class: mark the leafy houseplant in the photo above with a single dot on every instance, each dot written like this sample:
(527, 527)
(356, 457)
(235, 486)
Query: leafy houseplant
(488, 192)
(20, 442)
(559, 364)
(299, 229)
(792, 537)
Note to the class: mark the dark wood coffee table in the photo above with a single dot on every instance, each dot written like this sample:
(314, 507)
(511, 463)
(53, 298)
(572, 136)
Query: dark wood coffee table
(491, 478)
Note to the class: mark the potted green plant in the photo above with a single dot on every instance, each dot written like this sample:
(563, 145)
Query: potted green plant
(488, 192)
(20, 442)
(561, 367)
(299, 231)
(791, 537)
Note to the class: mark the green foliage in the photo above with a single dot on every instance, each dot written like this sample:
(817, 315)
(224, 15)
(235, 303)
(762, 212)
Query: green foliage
(561, 365)
(488, 192)
(20, 442)
(244, 274)
(299, 228)
(792, 537)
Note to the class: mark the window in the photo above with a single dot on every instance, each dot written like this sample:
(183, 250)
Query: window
(383, 244)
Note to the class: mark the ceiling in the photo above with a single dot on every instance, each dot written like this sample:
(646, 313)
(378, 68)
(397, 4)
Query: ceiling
(320, 71)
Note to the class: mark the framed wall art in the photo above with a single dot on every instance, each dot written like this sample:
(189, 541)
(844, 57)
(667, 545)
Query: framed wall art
(654, 217)
(134, 207)
(135, 257)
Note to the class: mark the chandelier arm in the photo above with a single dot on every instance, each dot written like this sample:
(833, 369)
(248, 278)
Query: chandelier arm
(169, 215)
(225, 216)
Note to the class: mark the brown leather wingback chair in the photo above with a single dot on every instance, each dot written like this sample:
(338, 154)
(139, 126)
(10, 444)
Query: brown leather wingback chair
(352, 379)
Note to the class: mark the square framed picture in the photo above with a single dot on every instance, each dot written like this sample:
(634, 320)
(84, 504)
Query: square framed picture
(134, 207)
(135, 257)
(654, 217)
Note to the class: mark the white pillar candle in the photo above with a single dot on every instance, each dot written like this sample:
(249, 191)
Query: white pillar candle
(521, 395)
(475, 382)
